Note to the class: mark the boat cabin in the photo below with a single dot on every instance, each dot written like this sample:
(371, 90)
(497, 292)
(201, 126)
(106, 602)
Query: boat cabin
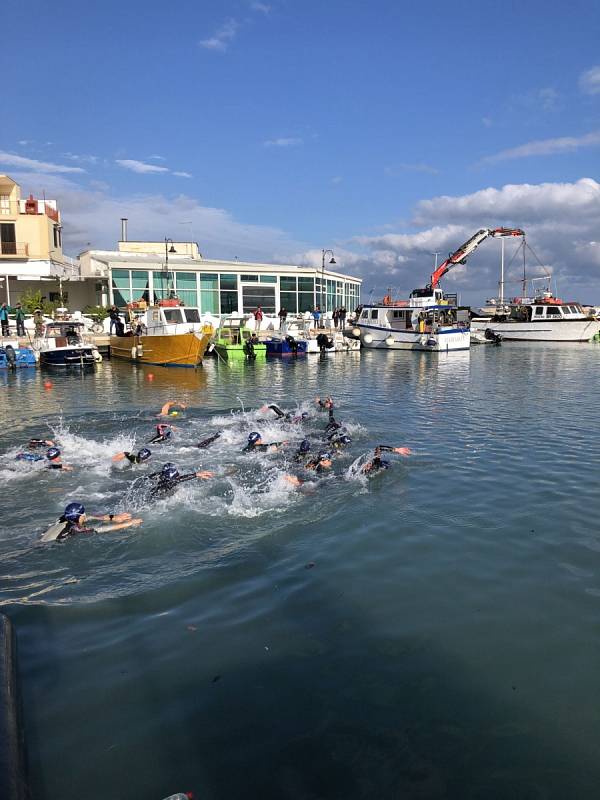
(233, 332)
(546, 312)
(64, 334)
(164, 320)
(420, 320)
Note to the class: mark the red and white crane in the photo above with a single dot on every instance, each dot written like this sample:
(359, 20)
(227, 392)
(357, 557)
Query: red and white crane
(464, 251)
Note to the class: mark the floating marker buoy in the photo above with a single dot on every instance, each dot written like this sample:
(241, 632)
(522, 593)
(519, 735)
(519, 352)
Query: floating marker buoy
(150, 376)
(174, 413)
(367, 338)
(47, 384)
(390, 341)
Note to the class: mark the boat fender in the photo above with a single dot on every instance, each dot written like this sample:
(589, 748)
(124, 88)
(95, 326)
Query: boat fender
(431, 342)
(140, 350)
(390, 341)
(134, 352)
(356, 332)
(367, 338)
(97, 356)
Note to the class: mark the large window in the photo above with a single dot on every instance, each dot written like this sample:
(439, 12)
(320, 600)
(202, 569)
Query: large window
(287, 295)
(209, 292)
(306, 294)
(186, 288)
(229, 295)
(259, 296)
(162, 283)
(129, 285)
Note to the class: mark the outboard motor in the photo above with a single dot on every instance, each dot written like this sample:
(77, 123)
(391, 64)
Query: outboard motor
(293, 344)
(11, 357)
(324, 342)
(249, 351)
(492, 336)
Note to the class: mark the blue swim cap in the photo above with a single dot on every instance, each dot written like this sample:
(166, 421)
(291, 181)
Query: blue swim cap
(52, 452)
(304, 415)
(253, 437)
(73, 511)
(144, 454)
(304, 446)
(169, 471)
(343, 440)
(324, 456)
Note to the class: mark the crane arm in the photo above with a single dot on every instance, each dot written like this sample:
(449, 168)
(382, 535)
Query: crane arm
(464, 251)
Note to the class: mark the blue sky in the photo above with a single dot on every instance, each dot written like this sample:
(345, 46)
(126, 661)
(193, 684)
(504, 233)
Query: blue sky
(269, 130)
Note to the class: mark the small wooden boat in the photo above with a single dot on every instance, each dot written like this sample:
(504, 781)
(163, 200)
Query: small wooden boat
(162, 339)
(233, 340)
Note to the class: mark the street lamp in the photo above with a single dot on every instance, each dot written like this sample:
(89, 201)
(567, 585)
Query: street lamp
(167, 251)
(324, 253)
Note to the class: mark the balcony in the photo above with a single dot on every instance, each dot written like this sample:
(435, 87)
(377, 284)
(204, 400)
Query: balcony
(14, 250)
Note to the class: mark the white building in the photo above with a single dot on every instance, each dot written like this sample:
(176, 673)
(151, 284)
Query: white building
(154, 271)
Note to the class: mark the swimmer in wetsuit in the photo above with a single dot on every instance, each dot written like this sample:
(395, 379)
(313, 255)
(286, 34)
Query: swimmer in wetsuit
(53, 456)
(35, 444)
(302, 452)
(325, 403)
(320, 464)
(74, 519)
(163, 433)
(286, 416)
(209, 440)
(339, 441)
(169, 478)
(134, 458)
(255, 443)
(377, 463)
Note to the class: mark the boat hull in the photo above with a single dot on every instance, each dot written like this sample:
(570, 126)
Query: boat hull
(79, 357)
(235, 352)
(442, 341)
(543, 331)
(170, 350)
(280, 347)
(341, 344)
(24, 357)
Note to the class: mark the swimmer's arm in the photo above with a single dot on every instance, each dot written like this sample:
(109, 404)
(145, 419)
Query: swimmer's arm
(125, 516)
(401, 451)
(121, 456)
(130, 523)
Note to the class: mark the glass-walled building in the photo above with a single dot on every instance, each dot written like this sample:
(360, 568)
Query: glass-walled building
(135, 272)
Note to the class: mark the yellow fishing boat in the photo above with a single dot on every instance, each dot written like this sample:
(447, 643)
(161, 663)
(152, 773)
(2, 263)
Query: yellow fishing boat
(168, 336)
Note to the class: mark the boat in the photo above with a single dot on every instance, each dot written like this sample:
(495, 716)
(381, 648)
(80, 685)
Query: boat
(427, 321)
(161, 335)
(542, 318)
(336, 340)
(233, 340)
(285, 346)
(65, 344)
(15, 357)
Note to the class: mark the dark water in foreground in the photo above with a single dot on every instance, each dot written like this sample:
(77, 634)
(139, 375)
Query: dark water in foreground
(433, 633)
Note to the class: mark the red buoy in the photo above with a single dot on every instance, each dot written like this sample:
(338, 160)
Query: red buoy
(150, 376)
(47, 384)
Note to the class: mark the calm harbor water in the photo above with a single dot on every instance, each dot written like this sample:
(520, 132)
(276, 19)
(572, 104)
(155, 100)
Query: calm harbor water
(430, 633)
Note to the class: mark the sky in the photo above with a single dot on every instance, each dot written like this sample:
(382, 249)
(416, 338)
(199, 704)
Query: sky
(269, 131)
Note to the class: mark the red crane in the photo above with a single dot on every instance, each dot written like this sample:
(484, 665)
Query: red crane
(464, 251)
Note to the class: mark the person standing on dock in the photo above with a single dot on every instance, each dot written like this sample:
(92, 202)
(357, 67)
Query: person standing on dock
(114, 319)
(4, 320)
(335, 317)
(317, 316)
(20, 319)
(282, 318)
(38, 321)
(258, 317)
(342, 317)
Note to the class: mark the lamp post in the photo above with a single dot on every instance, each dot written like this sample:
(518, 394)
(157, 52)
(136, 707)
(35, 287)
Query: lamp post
(323, 293)
(167, 251)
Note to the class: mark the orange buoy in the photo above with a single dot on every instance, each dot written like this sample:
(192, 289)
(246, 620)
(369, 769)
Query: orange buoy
(47, 384)
(150, 376)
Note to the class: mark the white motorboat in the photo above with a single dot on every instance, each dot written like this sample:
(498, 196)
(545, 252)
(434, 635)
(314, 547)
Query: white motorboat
(427, 321)
(544, 318)
(65, 344)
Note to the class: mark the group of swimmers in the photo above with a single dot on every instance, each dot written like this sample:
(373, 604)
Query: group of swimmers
(335, 439)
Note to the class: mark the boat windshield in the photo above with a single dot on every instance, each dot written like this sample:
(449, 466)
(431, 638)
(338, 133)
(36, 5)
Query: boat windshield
(191, 314)
(172, 315)
(56, 330)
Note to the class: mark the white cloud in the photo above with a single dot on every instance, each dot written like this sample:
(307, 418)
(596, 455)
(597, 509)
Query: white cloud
(589, 81)
(262, 8)
(290, 141)
(139, 166)
(546, 147)
(24, 142)
(223, 37)
(183, 174)
(82, 159)
(20, 162)
(156, 158)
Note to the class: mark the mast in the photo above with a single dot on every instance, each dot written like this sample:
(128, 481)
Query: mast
(501, 282)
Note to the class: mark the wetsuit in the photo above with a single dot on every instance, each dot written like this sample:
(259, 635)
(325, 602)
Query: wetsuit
(261, 448)
(35, 443)
(376, 464)
(70, 529)
(167, 485)
(28, 457)
(53, 465)
(207, 442)
(163, 434)
(133, 458)
(316, 465)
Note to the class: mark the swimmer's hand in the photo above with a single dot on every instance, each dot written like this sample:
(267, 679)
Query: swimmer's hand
(293, 480)
(67, 468)
(204, 474)
(402, 451)
(133, 523)
(118, 457)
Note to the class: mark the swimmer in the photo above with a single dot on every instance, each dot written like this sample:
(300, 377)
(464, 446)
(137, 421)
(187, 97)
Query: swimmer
(377, 463)
(339, 440)
(322, 463)
(302, 451)
(169, 478)
(163, 433)
(53, 456)
(207, 442)
(34, 444)
(139, 458)
(74, 519)
(166, 409)
(332, 425)
(325, 403)
(286, 416)
(255, 442)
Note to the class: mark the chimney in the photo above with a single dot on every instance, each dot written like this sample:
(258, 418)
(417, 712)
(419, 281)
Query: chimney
(123, 229)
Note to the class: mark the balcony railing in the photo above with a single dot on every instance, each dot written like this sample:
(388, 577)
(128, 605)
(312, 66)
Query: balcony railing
(18, 249)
